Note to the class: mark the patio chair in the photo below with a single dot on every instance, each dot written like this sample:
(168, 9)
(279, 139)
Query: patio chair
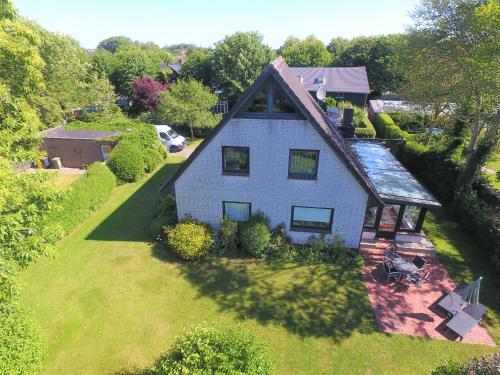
(389, 252)
(390, 271)
(464, 321)
(417, 279)
(419, 262)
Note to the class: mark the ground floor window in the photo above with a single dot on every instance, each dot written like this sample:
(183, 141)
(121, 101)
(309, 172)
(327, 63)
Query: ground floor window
(312, 219)
(410, 217)
(239, 211)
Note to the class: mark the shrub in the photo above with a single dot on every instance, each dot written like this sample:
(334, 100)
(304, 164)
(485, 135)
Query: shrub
(151, 159)
(255, 235)
(143, 136)
(208, 350)
(21, 347)
(126, 162)
(228, 236)
(487, 365)
(190, 240)
(165, 216)
(85, 195)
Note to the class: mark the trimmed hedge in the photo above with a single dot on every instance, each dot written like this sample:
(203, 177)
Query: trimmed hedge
(364, 129)
(85, 195)
(255, 235)
(191, 240)
(151, 159)
(21, 347)
(437, 169)
(209, 350)
(127, 162)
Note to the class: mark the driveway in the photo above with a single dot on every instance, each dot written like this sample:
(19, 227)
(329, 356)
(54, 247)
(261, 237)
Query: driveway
(188, 150)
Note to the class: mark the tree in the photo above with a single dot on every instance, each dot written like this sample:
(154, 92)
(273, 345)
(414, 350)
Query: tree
(129, 63)
(380, 55)
(146, 94)
(188, 103)
(462, 39)
(198, 66)
(308, 52)
(337, 46)
(112, 44)
(237, 61)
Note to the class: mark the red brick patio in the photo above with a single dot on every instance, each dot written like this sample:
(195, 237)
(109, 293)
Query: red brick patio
(401, 308)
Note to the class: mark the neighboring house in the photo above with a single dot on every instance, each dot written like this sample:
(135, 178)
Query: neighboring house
(77, 148)
(277, 152)
(349, 83)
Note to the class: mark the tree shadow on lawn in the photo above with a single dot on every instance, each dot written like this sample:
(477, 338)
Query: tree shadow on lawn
(131, 221)
(318, 301)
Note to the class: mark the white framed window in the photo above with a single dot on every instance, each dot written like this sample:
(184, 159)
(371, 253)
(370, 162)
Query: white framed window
(311, 219)
(238, 211)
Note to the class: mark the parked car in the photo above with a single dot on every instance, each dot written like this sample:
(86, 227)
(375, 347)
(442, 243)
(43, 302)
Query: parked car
(170, 139)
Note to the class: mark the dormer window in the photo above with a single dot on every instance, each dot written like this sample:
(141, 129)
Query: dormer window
(321, 80)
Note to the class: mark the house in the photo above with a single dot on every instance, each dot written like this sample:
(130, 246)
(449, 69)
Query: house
(77, 148)
(277, 152)
(346, 83)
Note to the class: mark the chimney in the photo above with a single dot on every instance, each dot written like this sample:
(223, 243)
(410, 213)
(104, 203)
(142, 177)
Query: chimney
(348, 116)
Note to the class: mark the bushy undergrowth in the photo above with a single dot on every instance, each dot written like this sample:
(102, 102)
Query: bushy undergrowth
(21, 348)
(190, 240)
(486, 365)
(84, 196)
(165, 217)
(256, 239)
(126, 162)
(210, 350)
(138, 151)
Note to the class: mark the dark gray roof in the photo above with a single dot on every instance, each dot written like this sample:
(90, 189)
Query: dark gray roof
(392, 180)
(346, 79)
(175, 67)
(287, 80)
(61, 133)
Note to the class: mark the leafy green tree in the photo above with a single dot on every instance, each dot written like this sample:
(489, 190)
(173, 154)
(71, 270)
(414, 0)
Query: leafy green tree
(237, 61)
(198, 66)
(308, 52)
(462, 39)
(188, 103)
(112, 44)
(337, 46)
(381, 56)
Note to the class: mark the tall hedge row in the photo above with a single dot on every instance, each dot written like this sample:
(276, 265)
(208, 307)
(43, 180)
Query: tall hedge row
(84, 196)
(440, 173)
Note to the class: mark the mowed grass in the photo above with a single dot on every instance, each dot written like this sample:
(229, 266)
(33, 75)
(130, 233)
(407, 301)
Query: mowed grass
(112, 302)
(464, 260)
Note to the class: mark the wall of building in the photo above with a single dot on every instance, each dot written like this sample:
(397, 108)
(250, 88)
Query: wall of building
(202, 188)
(75, 152)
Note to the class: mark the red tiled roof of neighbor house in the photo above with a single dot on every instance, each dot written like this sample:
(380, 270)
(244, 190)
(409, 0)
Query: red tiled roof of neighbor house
(337, 79)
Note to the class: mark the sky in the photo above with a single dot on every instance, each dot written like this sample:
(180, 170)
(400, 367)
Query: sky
(206, 22)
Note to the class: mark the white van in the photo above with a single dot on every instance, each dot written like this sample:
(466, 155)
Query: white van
(170, 139)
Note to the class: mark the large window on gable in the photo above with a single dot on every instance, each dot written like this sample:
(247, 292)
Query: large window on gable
(311, 219)
(271, 101)
(238, 211)
(303, 164)
(235, 160)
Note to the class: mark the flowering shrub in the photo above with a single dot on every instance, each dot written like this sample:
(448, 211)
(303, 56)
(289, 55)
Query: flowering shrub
(191, 240)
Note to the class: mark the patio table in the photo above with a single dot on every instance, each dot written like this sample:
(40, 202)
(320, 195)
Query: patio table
(404, 266)
(452, 303)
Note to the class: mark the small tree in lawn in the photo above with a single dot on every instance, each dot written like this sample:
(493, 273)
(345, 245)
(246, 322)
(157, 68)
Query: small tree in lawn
(188, 103)
(146, 94)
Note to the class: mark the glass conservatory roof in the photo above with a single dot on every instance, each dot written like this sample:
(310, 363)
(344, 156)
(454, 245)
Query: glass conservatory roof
(391, 179)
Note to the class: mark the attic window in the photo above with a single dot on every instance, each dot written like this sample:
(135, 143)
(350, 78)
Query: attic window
(270, 101)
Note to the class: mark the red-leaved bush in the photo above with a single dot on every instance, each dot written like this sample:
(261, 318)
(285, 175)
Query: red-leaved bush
(146, 94)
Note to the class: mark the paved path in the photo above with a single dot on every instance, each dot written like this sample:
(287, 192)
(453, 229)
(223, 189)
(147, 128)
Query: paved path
(401, 308)
(63, 170)
(187, 151)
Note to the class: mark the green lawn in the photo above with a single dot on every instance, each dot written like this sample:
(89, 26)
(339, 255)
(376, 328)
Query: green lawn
(465, 261)
(112, 302)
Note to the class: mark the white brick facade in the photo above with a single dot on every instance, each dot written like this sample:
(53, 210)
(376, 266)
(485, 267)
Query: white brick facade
(201, 189)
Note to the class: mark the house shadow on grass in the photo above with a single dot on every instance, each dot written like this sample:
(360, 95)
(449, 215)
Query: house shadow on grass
(311, 301)
(131, 220)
